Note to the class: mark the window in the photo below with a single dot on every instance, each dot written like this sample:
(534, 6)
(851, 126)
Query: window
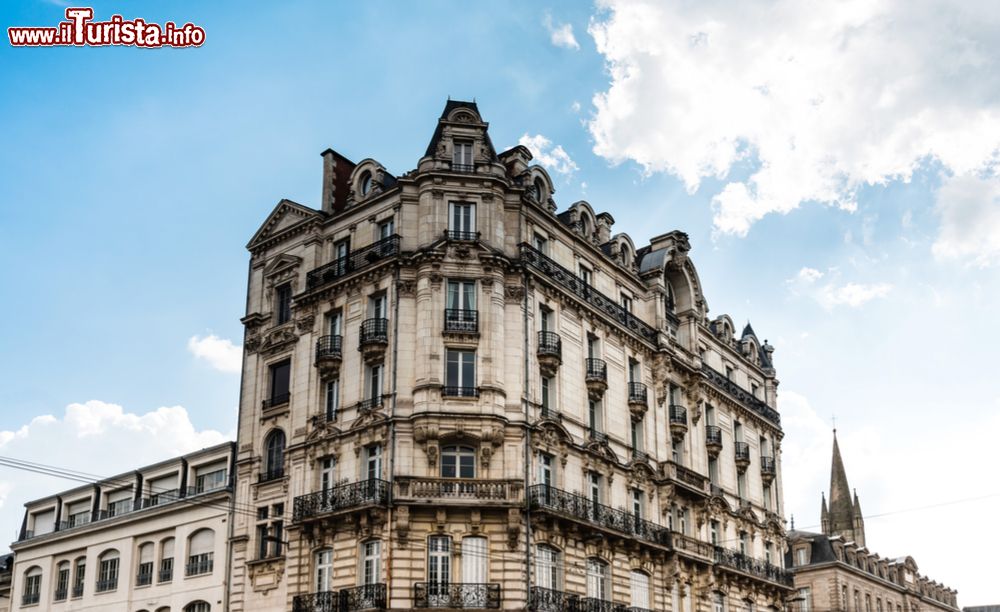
(805, 599)
(597, 578)
(586, 275)
(78, 513)
(729, 373)
(545, 316)
(541, 244)
(377, 306)
(639, 581)
(768, 552)
(767, 496)
(327, 473)
(274, 455)
(683, 520)
(281, 374)
(676, 452)
(373, 461)
(546, 470)
(324, 570)
(474, 560)
(744, 543)
(800, 556)
(713, 532)
(626, 303)
(843, 597)
(636, 432)
(201, 547)
(386, 229)
(462, 221)
(868, 602)
(637, 504)
(460, 307)
(719, 603)
(32, 591)
(341, 249)
(197, 606)
(594, 480)
(371, 562)
(374, 383)
(210, 477)
(270, 535)
(144, 572)
(857, 601)
(332, 398)
(548, 389)
(460, 373)
(119, 502)
(283, 303)
(365, 183)
(594, 416)
(458, 462)
(438, 570)
(62, 581)
(741, 484)
(107, 577)
(462, 155)
(547, 567)
(753, 390)
(166, 560)
(537, 189)
(713, 470)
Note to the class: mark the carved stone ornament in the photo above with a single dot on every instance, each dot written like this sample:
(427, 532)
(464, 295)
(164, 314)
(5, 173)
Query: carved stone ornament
(513, 292)
(406, 288)
(304, 324)
(277, 339)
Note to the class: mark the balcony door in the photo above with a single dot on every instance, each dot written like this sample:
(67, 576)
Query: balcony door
(458, 462)
(438, 571)
(461, 295)
(341, 250)
(474, 556)
(335, 323)
(371, 562)
(324, 570)
(639, 582)
(597, 579)
(327, 474)
(373, 461)
(377, 307)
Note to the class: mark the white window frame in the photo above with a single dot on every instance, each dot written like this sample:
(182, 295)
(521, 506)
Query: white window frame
(371, 562)
(458, 220)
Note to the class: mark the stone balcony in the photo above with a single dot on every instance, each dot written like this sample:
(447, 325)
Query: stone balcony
(459, 491)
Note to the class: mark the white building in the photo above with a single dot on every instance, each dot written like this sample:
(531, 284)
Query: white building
(152, 540)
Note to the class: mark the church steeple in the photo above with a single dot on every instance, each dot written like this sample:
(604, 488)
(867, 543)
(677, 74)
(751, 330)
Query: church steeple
(844, 515)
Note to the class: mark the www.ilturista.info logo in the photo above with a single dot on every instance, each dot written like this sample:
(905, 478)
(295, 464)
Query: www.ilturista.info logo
(79, 30)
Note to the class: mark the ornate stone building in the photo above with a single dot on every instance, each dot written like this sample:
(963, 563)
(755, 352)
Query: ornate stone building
(455, 396)
(835, 571)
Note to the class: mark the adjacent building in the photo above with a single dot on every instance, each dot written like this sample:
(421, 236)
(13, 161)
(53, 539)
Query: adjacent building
(835, 571)
(455, 395)
(152, 540)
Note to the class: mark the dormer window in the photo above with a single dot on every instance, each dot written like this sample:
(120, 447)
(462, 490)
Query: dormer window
(537, 189)
(366, 183)
(462, 156)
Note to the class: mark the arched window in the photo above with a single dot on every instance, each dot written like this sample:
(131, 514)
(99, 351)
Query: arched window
(80, 576)
(166, 573)
(537, 189)
(365, 183)
(274, 455)
(547, 567)
(458, 462)
(626, 255)
(324, 570)
(62, 581)
(639, 582)
(197, 606)
(597, 578)
(201, 547)
(144, 573)
(586, 224)
(32, 590)
(107, 571)
(163, 609)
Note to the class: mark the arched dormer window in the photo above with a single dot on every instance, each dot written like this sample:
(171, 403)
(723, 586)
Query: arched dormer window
(538, 189)
(365, 183)
(626, 255)
(274, 455)
(586, 225)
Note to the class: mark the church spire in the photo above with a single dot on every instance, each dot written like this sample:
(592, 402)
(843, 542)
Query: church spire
(842, 519)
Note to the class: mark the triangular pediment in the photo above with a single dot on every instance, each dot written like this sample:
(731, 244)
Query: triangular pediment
(285, 215)
(281, 262)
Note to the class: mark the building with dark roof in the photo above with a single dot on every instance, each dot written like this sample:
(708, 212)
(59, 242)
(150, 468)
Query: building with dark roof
(835, 571)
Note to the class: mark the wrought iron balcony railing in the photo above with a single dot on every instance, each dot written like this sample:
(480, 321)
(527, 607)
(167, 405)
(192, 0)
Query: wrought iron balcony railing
(678, 414)
(713, 435)
(637, 392)
(329, 347)
(364, 597)
(541, 599)
(572, 283)
(30, 599)
(371, 492)
(196, 568)
(545, 497)
(741, 451)
(449, 391)
(686, 476)
(461, 320)
(374, 331)
(272, 474)
(767, 465)
(104, 586)
(597, 369)
(719, 380)
(60, 594)
(278, 399)
(367, 405)
(447, 489)
(594, 604)
(165, 575)
(356, 260)
(748, 565)
(77, 590)
(460, 236)
(458, 595)
(549, 343)
(463, 168)
(638, 455)
(597, 435)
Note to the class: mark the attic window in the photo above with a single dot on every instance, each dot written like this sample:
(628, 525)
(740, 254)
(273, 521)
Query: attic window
(462, 156)
(537, 190)
(366, 183)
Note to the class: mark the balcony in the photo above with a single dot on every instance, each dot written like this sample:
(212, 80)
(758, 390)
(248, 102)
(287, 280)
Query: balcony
(197, 568)
(573, 284)
(678, 416)
(595, 435)
(144, 579)
(30, 599)
(371, 492)
(364, 597)
(373, 339)
(460, 236)
(638, 455)
(461, 321)
(278, 399)
(60, 594)
(686, 478)
(549, 353)
(354, 262)
(459, 491)
(367, 405)
(692, 547)
(578, 508)
(457, 595)
(593, 604)
(740, 562)
(637, 400)
(549, 600)
(741, 452)
(165, 574)
(274, 473)
(713, 440)
(767, 469)
(103, 586)
(329, 355)
(741, 395)
(596, 378)
(463, 168)
(450, 391)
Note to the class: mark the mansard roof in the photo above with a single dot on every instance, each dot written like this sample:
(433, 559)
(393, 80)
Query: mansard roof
(449, 107)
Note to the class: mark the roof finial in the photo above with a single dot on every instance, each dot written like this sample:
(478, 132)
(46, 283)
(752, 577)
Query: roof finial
(793, 522)
(834, 425)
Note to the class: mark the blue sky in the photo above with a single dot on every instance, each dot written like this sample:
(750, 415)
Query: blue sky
(845, 207)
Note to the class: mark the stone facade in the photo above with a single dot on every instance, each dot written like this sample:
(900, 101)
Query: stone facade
(455, 396)
(834, 571)
(152, 540)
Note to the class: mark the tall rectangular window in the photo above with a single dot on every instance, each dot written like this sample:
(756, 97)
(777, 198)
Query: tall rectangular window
(713, 532)
(637, 503)
(335, 323)
(438, 570)
(462, 220)
(548, 385)
(741, 485)
(805, 600)
(377, 306)
(546, 470)
(374, 382)
(332, 398)
(547, 567)
(327, 473)
(371, 562)
(626, 303)
(386, 229)
(462, 155)
(283, 303)
(373, 461)
(744, 543)
(460, 372)
(594, 416)
(540, 243)
(341, 252)
(713, 470)
(586, 275)
(281, 375)
(461, 295)
(595, 487)
(766, 492)
(639, 582)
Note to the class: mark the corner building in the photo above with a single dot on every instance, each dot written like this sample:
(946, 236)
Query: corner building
(455, 396)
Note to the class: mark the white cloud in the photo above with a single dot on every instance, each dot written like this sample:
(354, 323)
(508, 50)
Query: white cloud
(969, 209)
(816, 98)
(94, 437)
(220, 353)
(553, 157)
(833, 293)
(560, 35)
